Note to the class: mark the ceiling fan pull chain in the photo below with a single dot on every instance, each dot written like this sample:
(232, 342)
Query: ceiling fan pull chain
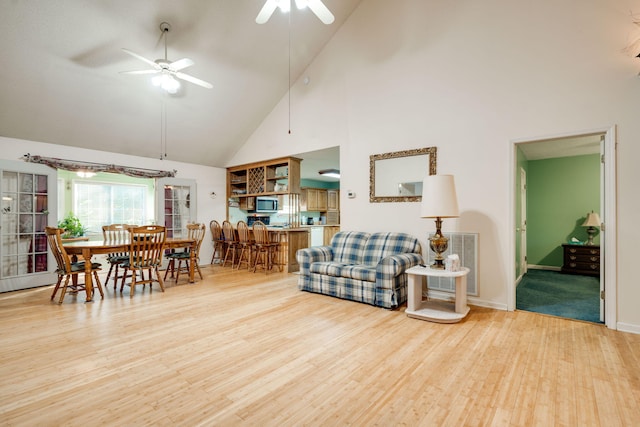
(289, 74)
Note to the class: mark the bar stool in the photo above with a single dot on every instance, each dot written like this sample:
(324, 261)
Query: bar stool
(218, 241)
(230, 241)
(245, 244)
(266, 250)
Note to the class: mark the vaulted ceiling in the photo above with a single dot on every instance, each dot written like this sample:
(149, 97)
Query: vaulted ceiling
(62, 61)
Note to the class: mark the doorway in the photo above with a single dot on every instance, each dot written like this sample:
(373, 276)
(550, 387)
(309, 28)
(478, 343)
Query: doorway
(546, 253)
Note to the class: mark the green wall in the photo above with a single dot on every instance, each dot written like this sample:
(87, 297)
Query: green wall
(560, 193)
(312, 183)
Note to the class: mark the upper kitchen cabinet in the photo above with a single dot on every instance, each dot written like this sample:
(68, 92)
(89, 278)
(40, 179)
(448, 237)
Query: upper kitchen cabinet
(271, 177)
(313, 199)
(333, 200)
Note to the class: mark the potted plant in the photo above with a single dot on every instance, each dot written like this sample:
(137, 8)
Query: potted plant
(71, 226)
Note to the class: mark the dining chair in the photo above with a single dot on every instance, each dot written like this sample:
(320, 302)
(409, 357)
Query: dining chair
(67, 269)
(265, 249)
(245, 244)
(218, 241)
(146, 244)
(116, 233)
(231, 242)
(195, 232)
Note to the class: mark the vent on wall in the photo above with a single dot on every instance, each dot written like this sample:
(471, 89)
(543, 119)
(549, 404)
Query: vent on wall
(466, 246)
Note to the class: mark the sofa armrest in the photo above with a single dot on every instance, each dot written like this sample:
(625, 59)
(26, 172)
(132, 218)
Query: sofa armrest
(393, 266)
(307, 256)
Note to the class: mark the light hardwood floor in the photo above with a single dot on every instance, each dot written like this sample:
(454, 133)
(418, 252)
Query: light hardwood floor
(240, 348)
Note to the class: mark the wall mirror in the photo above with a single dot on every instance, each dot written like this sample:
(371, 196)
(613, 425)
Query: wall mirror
(397, 176)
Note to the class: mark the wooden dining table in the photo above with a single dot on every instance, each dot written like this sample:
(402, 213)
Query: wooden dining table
(100, 247)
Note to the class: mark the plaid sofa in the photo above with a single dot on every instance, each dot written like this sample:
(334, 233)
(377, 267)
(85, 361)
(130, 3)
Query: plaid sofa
(361, 267)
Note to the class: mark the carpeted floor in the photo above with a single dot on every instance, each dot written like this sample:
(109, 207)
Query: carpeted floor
(565, 295)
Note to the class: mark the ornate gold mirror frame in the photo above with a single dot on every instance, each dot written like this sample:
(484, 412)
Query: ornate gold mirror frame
(399, 174)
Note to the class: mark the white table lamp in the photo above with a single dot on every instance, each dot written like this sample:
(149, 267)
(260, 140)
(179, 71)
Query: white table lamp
(439, 201)
(592, 221)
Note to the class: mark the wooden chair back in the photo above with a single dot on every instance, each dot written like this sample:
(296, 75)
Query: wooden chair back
(146, 246)
(243, 232)
(260, 233)
(54, 238)
(116, 232)
(216, 230)
(196, 232)
(228, 232)
(218, 241)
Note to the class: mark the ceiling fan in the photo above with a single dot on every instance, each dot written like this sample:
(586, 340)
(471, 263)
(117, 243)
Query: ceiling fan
(166, 70)
(316, 6)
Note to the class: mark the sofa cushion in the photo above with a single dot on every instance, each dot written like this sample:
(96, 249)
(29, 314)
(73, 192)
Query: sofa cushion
(328, 268)
(381, 245)
(335, 269)
(360, 272)
(348, 246)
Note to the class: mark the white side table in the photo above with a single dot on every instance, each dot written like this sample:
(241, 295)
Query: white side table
(436, 311)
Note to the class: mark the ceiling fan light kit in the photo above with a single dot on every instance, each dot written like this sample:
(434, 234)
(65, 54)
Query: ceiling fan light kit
(316, 6)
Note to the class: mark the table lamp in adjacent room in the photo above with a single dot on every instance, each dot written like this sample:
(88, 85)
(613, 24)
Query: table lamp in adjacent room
(592, 221)
(439, 201)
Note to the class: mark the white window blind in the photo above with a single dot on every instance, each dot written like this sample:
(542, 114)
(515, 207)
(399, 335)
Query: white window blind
(96, 204)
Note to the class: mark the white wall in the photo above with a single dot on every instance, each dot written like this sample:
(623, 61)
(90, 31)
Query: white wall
(208, 179)
(469, 78)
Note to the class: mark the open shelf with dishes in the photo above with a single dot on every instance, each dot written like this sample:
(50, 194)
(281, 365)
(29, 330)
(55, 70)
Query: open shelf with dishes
(272, 177)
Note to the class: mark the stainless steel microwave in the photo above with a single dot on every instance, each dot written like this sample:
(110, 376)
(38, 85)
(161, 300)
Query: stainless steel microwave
(266, 204)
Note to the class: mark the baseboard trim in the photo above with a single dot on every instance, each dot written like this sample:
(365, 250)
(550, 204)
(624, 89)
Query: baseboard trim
(544, 267)
(628, 327)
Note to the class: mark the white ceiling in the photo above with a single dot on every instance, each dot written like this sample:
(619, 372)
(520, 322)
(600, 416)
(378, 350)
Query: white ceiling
(561, 147)
(61, 65)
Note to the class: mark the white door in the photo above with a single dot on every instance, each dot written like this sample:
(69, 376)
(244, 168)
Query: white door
(603, 189)
(176, 204)
(523, 221)
(29, 197)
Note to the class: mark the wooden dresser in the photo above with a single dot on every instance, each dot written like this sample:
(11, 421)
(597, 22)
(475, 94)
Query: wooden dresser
(579, 259)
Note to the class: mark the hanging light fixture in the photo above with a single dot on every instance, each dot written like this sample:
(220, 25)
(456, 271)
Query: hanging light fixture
(166, 82)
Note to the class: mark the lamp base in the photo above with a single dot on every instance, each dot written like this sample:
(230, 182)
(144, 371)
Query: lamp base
(438, 244)
(591, 231)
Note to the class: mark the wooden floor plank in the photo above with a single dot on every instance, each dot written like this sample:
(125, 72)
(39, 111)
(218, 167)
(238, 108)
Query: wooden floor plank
(239, 348)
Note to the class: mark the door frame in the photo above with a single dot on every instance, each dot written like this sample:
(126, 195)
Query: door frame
(33, 280)
(523, 222)
(608, 235)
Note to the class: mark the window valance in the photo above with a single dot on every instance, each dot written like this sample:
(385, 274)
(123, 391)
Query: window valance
(80, 166)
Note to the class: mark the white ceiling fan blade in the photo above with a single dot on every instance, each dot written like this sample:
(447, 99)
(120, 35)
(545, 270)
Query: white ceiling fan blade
(193, 80)
(266, 11)
(142, 58)
(181, 64)
(140, 72)
(321, 11)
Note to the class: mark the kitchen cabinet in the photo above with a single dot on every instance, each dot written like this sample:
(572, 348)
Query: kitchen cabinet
(313, 199)
(247, 203)
(329, 231)
(272, 177)
(333, 200)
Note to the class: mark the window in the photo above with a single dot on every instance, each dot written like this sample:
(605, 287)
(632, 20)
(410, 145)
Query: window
(100, 203)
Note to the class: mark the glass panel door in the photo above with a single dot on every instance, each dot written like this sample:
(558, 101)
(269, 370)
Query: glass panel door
(28, 192)
(176, 205)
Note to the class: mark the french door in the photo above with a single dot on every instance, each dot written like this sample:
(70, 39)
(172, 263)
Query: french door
(176, 199)
(29, 195)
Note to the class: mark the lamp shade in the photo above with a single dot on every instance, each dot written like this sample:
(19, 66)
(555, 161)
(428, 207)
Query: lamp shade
(593, 220)
(439, 198)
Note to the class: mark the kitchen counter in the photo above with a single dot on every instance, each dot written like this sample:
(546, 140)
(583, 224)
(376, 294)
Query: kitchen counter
(291, 239)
